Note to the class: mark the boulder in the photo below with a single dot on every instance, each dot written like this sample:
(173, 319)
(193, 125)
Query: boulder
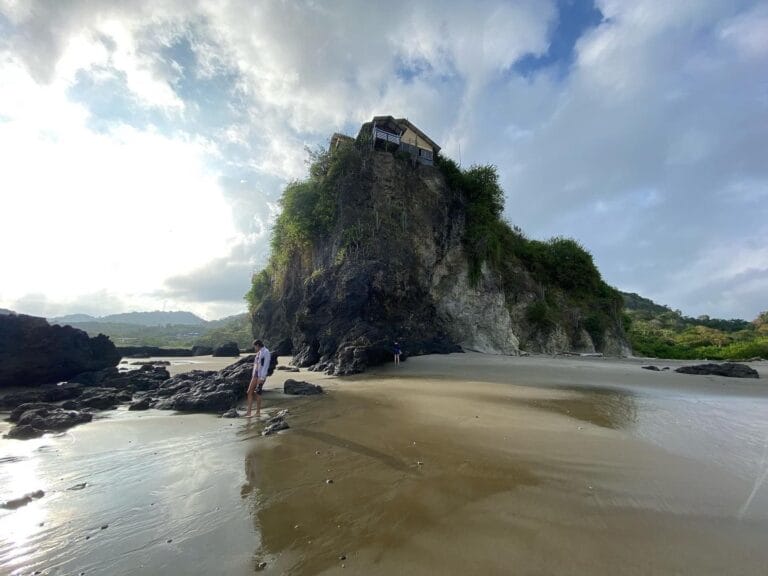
(100, 398)
(32, 352)
(300, 388)
(231, 413)
(45, 393)
(97, 377)
(206, 391)
(652, 368)
(727, 369)
(200, 350)
(36, 421)
(147, 351)
(275, 424)
(228, 349)
(143, 404)
(288, 368)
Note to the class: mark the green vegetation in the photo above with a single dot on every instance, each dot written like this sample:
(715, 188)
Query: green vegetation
(660, 332)
(310, 207)
(234, 328)
(561, 264)
(309, 213)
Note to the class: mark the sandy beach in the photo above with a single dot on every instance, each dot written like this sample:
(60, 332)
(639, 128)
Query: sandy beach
(459, 464)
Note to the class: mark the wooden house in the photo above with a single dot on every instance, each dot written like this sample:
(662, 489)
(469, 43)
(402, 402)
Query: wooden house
(398, 134)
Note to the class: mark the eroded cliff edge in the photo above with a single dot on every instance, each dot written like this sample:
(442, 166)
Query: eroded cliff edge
(374, 248)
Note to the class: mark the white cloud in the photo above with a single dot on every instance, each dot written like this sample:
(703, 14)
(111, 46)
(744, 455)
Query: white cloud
(85, 211)
(650, 150)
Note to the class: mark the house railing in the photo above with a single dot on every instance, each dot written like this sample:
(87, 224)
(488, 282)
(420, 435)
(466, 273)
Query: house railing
(380, 134)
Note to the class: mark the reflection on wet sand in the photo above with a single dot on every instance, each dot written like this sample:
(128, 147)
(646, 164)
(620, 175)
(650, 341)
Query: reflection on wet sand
(388, 480)
(434, 476)
(607, 408)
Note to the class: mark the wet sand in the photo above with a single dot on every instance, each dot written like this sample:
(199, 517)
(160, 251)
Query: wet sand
(470, 464)
(460, 464)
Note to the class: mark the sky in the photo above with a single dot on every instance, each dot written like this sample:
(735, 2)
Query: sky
(144, 145)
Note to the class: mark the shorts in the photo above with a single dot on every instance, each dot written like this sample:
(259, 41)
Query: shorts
(257, 389)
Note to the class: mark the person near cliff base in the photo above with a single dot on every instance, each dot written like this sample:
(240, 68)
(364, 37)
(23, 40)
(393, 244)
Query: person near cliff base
(397, 352)
(259, 376)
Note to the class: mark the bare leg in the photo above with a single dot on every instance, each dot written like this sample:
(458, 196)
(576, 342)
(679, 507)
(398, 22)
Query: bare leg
(258, 405)
(250, 400)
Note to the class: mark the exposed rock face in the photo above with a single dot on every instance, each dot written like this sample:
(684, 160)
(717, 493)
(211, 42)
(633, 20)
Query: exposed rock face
(32, 352)
(394, 268)
(728, 369)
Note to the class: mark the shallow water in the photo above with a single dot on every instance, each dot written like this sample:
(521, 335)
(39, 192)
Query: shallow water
(429, 474)
(166, 487)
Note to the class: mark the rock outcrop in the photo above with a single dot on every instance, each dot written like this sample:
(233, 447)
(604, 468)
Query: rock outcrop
(301, 388)
(394, 267)
(32, 352)
(727, 369)
(227, 349)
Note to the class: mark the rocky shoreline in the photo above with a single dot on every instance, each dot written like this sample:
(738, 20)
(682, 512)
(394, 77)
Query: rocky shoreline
(54, 408)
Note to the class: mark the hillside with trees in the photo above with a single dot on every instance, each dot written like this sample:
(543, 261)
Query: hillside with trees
(658, 331)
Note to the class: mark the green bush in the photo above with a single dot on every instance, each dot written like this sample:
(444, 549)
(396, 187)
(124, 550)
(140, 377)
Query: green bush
(541, 315)
(260, 286)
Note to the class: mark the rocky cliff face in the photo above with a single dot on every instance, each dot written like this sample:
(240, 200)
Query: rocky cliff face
(33, 352)
(393, 267)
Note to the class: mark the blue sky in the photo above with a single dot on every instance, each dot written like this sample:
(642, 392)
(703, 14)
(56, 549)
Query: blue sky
(147, 143)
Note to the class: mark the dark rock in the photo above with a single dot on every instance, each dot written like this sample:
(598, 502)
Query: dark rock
(24, 432)
(275, 424)
(143, 404)
(96, 377)
(288, 368)
(19, 410)
(728, 369)
(100, 398)
(22, 500)
(653, 368)
(300, 388)
(32, 352)
(231, 413)
(151, 364)
(147, 351)
(200, 350)
(228, 349)
(44, 393)
(36, 421)
(79, 486)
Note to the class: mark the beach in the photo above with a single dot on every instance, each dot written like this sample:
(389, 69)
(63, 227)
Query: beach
(455, 464)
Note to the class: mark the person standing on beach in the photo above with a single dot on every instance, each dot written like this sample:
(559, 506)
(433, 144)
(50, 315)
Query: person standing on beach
(259, 375)
(397, 351)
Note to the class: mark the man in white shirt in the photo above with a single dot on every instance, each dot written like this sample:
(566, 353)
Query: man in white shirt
(259, 375)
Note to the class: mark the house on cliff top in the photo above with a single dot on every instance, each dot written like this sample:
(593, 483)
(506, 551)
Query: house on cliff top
(396, 135)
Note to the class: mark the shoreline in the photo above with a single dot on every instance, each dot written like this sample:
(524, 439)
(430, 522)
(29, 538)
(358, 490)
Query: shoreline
(455, 464)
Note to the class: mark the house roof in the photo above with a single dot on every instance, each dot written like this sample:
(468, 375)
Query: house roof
(404, 123)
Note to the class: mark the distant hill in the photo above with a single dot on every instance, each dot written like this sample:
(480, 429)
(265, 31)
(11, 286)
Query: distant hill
(163, 329)
(70, 318)
(5, 311)
(156, 318)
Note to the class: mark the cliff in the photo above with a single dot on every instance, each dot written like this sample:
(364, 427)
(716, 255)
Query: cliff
(375, 247)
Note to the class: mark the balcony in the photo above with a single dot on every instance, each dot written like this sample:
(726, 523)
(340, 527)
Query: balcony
(379, 134)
